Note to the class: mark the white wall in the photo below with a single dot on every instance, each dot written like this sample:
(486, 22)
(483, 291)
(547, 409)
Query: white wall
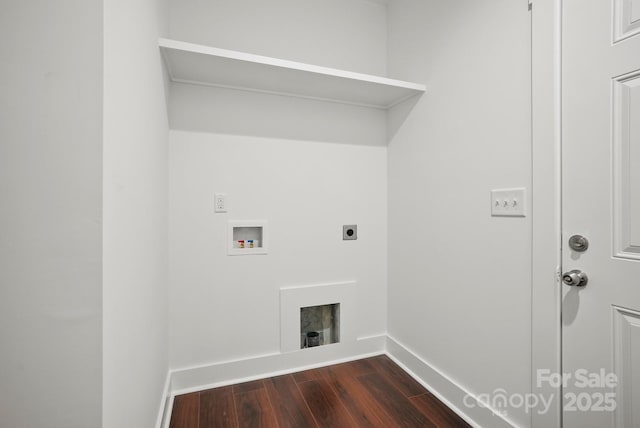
(227, 307)
(461, 298)
(135, 214)
(229, 111)
(50, 213)
(280, 165)
(349, 35)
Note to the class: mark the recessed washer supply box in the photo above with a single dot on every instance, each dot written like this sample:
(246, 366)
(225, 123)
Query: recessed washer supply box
(247, 237)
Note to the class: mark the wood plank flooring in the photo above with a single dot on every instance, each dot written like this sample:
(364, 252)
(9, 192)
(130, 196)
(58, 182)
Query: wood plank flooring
(372, 392)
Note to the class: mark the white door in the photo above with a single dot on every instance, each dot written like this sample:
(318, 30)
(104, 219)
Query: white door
(601, 201)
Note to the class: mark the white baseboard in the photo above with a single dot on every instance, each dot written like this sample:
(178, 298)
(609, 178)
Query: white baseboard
(191, 379)
(226, 373)
(166, 401)
(444, 388)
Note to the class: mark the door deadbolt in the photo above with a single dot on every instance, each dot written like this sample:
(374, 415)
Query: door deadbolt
(575, 278)
(578, 243)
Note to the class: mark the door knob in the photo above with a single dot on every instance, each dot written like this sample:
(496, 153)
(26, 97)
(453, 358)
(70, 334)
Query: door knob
(575, 277)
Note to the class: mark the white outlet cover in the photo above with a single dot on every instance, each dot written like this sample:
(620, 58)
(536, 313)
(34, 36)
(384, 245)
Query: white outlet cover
(220, 202)
(509, 202)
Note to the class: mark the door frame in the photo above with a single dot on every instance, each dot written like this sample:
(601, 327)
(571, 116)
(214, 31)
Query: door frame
(546, 264)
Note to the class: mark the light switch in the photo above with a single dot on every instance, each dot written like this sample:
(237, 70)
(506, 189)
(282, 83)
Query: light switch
(508, 202)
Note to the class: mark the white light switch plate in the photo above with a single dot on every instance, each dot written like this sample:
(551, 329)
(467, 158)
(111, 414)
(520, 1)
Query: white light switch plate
(508, 202)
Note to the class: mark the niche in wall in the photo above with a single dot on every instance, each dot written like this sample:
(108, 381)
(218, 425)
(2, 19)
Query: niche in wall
(328, 309)
(319, 325)
(247, 237)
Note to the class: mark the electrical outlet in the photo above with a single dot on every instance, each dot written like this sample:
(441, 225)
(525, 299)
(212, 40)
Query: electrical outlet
(221, 202)
(508, 202)
(349, 232)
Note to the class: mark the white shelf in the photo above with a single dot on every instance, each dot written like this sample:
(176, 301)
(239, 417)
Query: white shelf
(204, 65)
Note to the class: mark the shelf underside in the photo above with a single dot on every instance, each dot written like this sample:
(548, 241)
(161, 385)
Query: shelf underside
(190, 63)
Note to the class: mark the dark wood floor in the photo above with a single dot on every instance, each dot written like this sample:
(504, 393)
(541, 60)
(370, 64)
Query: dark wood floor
(372, 392)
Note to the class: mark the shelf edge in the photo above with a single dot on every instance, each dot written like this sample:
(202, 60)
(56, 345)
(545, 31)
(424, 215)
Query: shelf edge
(169, 44)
